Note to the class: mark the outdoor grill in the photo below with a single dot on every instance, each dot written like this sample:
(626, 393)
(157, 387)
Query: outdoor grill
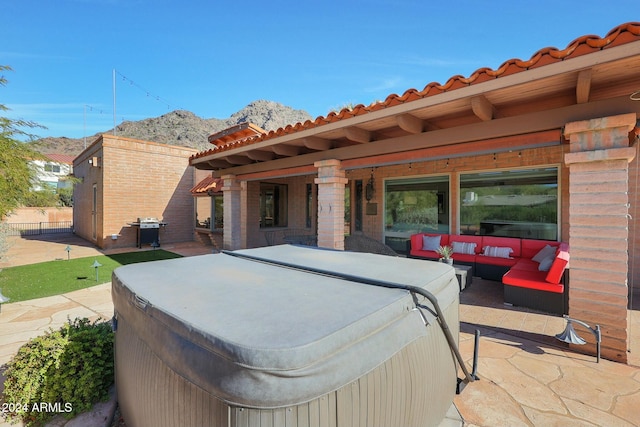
(148, 231)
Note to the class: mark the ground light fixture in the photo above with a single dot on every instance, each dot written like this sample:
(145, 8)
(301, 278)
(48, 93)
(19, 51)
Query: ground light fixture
(3, 299)
(570, 336)
(95, 265)
(68, 249)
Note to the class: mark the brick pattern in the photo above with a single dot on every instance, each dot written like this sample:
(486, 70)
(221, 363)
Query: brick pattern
(331, 181)
(134, 179)
(46, 214)
(599, 235)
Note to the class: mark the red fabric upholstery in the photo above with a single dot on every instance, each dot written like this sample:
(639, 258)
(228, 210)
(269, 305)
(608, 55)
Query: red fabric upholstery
(416, 245)
(559, 264)
(531, 280)
(466, 258)
(531, 247)
(503, 242)
(523, 271)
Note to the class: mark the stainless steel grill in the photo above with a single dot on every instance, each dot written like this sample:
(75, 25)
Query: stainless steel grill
(148, 231)
(149, 222)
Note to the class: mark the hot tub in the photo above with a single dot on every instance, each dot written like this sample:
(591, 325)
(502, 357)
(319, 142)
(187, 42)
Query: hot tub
(233, 339)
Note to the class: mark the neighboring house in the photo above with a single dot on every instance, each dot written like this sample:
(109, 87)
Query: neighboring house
(52, 170)
(561, 125)
(123, 180)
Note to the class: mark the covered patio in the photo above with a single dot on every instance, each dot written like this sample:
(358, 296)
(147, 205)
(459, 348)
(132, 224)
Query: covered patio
(565, 118)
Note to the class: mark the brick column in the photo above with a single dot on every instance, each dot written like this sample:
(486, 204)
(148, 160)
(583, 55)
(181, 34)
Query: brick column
(598, 164)
(231, 192)
(331, 181)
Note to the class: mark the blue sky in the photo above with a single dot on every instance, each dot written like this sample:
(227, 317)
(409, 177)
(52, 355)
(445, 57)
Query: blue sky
(215, 57)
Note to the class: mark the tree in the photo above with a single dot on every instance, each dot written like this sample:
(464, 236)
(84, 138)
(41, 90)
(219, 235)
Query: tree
(16, 173)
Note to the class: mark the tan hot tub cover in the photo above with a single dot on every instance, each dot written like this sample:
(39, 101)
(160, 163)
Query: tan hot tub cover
(229, 335)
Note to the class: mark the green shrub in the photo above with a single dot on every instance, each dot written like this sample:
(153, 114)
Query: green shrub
(64, 372)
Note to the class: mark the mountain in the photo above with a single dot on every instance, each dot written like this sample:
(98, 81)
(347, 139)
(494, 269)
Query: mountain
(183, 128)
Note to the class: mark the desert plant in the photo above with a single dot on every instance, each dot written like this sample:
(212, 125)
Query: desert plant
(445, 251)
(64, 371)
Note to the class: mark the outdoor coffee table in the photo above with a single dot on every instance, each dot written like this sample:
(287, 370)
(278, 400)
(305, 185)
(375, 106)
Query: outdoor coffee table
(464, 275)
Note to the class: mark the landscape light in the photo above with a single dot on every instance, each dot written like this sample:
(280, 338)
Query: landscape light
(570, 336)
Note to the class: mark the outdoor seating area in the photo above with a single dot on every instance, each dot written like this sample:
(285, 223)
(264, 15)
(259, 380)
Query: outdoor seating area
(532, 271)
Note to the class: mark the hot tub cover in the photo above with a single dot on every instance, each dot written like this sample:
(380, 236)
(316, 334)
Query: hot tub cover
(261, 335)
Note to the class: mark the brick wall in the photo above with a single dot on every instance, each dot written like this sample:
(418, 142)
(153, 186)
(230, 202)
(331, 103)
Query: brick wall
(599, 237)
(45, 214)
(135, 179)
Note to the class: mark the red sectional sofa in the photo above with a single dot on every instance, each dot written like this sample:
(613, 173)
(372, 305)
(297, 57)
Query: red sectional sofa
(532, 271)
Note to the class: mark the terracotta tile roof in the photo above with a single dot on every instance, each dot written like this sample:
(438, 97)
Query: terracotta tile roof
(584, 45)
(208, 184)
(237, 133)
(61, 158)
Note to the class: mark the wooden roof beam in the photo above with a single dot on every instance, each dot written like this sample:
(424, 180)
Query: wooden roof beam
(285, 150)
(357, 134)
(238, 160)
(583, 86)
(483, 108)
(261, 156)
(218, 163)
(410, 123)
(317, 143)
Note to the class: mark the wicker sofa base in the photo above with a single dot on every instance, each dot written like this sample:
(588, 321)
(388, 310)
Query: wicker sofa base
(549, 302)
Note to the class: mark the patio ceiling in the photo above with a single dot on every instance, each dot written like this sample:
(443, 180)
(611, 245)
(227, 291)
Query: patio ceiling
(593, 77)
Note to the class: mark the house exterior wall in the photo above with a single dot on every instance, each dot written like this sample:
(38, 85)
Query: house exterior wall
(134, 179)
(86, 169)
(254, 236)
(373, 225)
(51, 180)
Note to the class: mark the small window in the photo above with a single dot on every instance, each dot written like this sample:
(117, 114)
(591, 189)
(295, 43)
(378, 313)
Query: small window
(273, 205)
(52, 167)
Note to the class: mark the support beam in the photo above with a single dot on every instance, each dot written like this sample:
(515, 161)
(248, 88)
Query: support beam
(482, 108)
(218, 163)
(286, 150)
(583, 86)
(239, 160)
(317, 143)
(410, 123)
(358, 135)
(261, 156)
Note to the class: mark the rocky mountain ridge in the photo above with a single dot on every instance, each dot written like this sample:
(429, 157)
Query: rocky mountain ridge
(183, 128)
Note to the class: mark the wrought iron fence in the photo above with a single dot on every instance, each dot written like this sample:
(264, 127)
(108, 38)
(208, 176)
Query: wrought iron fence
(35, 228)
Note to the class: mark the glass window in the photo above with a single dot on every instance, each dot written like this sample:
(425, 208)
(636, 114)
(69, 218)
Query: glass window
(358, 205)
(417, 205)
(218, 212)
(51, 167)
(514, 203)
(273, 205)
(210, 212)
(347, 210)
(309, 206)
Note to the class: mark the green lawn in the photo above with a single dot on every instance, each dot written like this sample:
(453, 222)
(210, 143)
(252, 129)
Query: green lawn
(26, 282)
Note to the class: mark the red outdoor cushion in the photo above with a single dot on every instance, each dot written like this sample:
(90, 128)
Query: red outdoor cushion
(559, 265)
(531, 247)
(503, 242)
(531, 280)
